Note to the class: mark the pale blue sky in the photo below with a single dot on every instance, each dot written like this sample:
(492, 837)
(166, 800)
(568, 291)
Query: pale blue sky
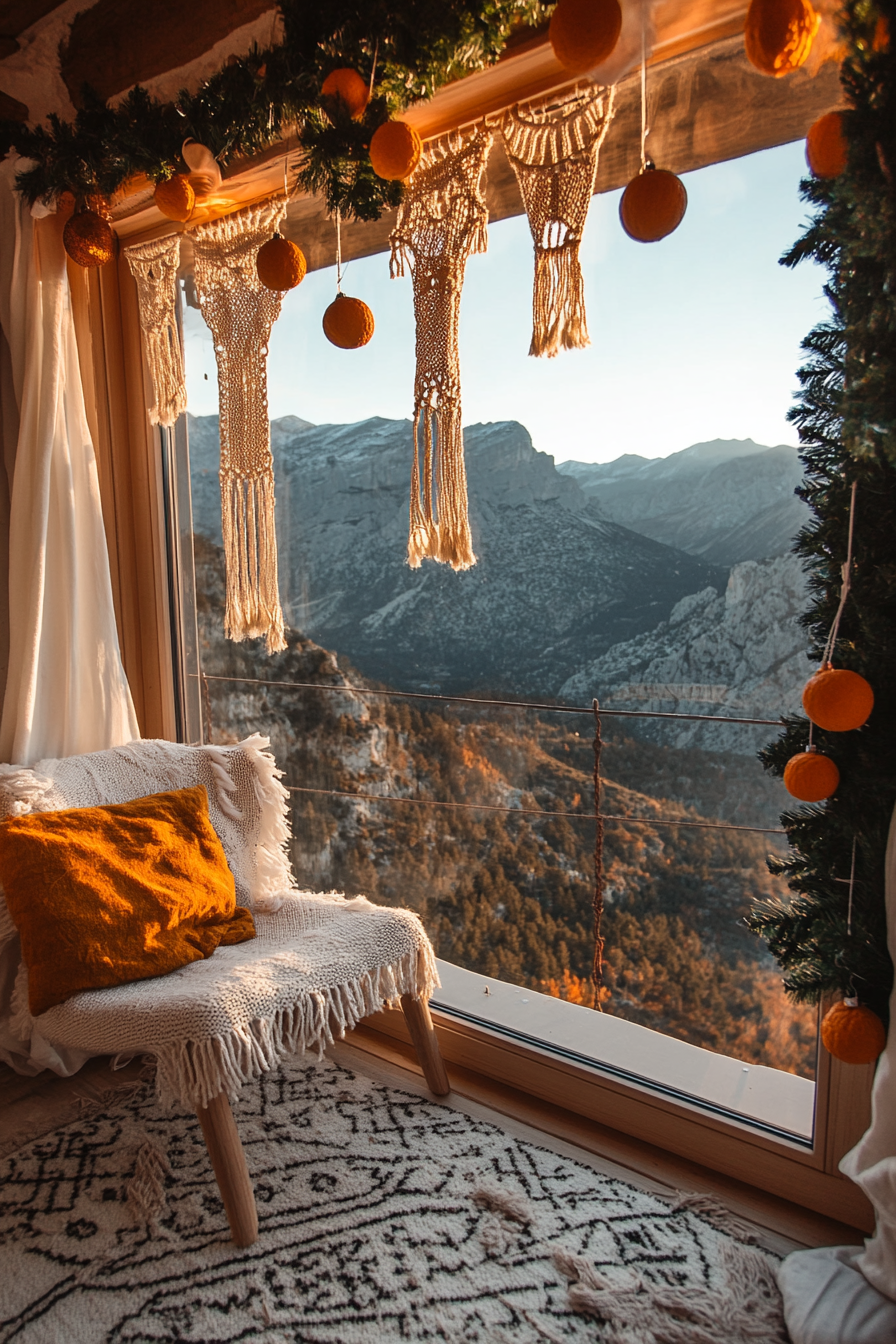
(693, 338)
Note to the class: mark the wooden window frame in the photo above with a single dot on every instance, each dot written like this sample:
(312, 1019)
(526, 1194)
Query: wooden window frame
(129, 456)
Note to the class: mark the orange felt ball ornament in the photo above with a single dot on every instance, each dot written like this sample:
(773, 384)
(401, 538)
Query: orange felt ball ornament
(653, 205)
(826, 146)
(88, 239)
(395, 150)
(838, 700)
(853, 1033)
(583, 33)
(175, 197)
(348, 323)
(349, 88)
(778, 34)
(810, 776)
(280, 264)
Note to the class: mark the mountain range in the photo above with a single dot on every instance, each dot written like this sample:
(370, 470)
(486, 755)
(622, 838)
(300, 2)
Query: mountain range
(557, 583)
(727, 501)
(661, 583)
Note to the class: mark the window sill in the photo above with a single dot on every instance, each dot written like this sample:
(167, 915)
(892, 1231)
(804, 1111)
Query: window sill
(775, 1102)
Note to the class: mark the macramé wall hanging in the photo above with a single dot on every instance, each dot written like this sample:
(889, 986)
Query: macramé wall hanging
(553, 149)
(443, 220)
(240, 312)
(154, 268)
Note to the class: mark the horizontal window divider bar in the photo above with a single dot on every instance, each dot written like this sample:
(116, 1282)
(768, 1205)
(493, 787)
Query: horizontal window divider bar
(498, 704)
(533, 811)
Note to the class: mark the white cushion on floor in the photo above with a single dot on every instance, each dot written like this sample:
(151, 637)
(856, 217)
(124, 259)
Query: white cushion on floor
(828, 1301)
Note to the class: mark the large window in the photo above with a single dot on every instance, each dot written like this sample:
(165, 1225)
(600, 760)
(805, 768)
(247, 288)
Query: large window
(633, 511)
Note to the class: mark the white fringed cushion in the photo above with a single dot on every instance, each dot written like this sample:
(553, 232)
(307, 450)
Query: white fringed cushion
(318, 965)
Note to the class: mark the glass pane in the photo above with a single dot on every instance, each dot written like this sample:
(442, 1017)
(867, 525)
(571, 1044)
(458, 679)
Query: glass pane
(658, 580)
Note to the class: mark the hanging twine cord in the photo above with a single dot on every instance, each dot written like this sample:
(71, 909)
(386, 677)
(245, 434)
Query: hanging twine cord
(845, 574)
(851, 883)
(376, 51)
(645, 129)
(207, 725)
(597, 970)
(338, 250)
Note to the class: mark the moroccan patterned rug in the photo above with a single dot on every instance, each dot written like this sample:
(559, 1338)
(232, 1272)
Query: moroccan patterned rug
(383, 1217)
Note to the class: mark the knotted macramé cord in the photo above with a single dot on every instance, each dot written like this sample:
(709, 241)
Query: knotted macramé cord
(240, 312)
(154, 268)
(553, 149)
(442, 221)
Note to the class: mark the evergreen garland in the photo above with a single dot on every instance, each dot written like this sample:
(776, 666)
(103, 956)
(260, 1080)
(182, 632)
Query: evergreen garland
(411, 47)
(846, 417)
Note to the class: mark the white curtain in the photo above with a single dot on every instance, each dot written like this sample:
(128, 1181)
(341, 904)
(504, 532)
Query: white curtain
(66, 691)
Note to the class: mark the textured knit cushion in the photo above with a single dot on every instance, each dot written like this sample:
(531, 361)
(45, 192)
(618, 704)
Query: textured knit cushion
(106, 895)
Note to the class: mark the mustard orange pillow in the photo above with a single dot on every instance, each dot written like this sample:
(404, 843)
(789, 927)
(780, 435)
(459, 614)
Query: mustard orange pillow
(104, 895)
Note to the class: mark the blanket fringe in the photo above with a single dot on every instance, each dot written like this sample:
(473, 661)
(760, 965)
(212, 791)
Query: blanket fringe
(273, 874)
(193, 1072)
(273, 871)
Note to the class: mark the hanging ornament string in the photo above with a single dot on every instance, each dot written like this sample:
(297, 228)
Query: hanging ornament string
(338, 250)
(845, 573)
(597, 970)
(645, 129)
(852, 886)
(846, 576)
(373, 67)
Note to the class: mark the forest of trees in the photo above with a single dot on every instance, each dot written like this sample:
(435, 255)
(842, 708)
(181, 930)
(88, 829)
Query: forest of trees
(507, 893)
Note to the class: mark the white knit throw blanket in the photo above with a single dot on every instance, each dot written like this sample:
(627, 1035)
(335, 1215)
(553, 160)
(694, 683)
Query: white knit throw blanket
(318, 965)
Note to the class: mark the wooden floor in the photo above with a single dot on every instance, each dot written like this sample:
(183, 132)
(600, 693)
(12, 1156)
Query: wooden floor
(31, 1107)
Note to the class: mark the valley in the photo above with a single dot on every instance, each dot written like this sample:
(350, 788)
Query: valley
(566, 603)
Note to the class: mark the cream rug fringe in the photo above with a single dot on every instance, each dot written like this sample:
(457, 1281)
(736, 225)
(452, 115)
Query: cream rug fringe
(745, 1310)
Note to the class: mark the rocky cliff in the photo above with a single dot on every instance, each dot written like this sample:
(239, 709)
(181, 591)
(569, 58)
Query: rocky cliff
(738, 652)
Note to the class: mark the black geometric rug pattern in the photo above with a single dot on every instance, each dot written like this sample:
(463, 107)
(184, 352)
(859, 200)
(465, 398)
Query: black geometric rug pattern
(383, 1217)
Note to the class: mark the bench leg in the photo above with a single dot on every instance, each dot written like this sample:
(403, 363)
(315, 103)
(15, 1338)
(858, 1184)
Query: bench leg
(423, 1034)
(229, 1165)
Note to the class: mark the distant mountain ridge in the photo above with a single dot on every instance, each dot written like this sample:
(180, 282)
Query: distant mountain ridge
(556, 584)
(728, 500)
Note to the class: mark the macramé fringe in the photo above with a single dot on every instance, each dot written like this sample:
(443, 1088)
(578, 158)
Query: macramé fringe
(446, 538)
(193, 1072)
(558, 301)
(250, 551)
